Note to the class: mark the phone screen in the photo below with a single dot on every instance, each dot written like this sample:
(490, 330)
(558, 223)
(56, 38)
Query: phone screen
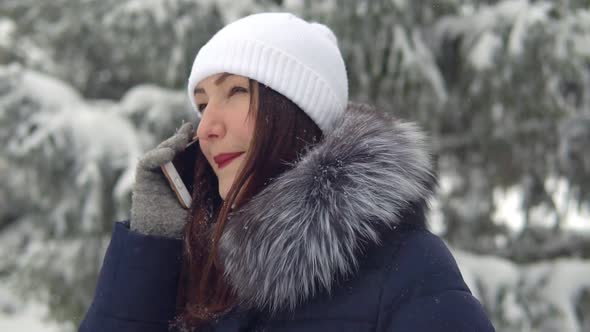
(184, 162)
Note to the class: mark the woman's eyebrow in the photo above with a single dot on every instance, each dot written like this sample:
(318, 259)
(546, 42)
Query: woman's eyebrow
(218, 81)
(222, 78)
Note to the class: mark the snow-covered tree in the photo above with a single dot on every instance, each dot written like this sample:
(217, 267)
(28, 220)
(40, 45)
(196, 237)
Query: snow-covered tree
(104, 47)
(67, 168)
(517, 73)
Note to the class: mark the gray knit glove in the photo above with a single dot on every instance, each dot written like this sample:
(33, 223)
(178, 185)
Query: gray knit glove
(155, 210)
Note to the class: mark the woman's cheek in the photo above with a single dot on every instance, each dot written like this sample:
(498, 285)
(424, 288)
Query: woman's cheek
(204, 152)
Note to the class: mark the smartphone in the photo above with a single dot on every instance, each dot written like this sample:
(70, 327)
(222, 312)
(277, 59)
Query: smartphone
(180, 173)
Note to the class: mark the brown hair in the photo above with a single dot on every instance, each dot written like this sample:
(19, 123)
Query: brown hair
(282, 132)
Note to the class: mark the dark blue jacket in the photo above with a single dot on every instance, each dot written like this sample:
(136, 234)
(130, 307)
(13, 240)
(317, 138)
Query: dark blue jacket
(336, 243)
(412, 284)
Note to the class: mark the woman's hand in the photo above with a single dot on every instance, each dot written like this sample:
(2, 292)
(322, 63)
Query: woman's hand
(155, 210)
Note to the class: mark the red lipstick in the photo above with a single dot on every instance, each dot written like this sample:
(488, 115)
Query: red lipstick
(225, 158)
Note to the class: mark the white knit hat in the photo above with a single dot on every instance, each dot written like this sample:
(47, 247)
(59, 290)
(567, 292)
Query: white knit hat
(298, 59)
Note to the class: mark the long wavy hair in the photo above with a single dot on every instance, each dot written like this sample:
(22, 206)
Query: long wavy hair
(282, 133)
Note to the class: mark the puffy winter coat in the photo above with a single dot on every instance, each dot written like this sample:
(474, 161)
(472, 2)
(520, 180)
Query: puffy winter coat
(338, 243)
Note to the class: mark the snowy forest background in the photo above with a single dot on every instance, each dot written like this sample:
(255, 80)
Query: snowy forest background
(502, 88)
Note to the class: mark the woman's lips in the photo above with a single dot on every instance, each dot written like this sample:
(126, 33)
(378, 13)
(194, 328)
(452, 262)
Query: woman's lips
(224, 159)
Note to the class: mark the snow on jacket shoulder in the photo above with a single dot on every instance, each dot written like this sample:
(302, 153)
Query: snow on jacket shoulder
(424, 291)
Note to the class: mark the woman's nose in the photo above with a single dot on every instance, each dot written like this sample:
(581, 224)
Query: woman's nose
(210, 126)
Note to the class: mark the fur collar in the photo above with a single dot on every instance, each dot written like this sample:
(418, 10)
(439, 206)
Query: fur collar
(307, 228)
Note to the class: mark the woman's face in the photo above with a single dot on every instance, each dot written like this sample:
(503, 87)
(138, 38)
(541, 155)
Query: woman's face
(225, 130)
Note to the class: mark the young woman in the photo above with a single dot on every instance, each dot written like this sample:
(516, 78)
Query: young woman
(308, 212)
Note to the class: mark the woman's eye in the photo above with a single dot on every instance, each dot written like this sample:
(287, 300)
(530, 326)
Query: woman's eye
(237, 89)
(201, 107)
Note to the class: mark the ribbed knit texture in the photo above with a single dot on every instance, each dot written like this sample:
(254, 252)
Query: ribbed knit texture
(300, 60)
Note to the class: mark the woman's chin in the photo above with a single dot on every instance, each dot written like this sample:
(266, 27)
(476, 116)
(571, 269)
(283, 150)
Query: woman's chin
(223, 189)
(222, 193)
